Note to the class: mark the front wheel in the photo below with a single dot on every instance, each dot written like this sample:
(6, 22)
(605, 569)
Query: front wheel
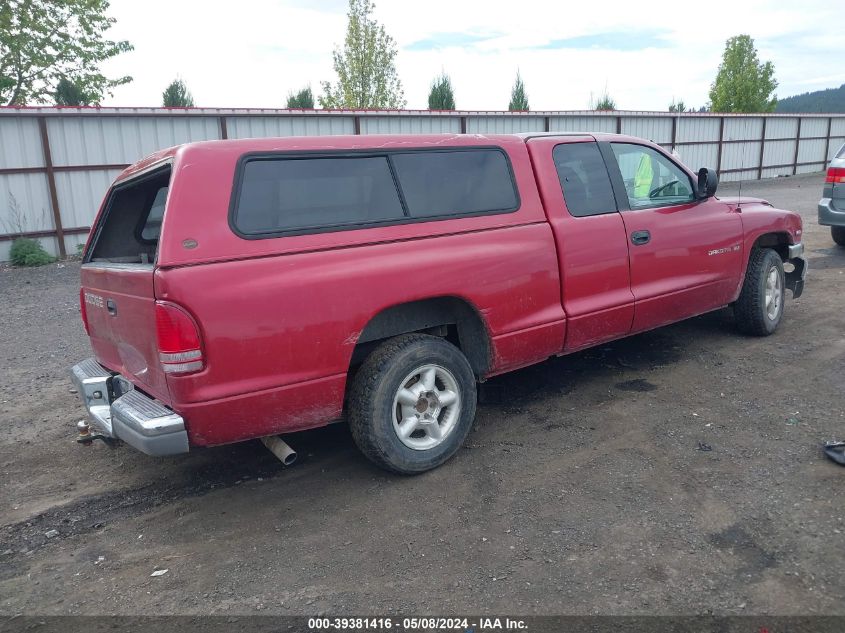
(759, 309)
(412, 403)
(838, 234)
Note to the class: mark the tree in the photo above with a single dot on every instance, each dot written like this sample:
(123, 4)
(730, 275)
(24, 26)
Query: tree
(605, 103)
(302, 100)
(519, 100)
(677, 106)
(176, 95)
(743, 83)
(71, 93)
(441, 96)
(366, 69)
(45, 41)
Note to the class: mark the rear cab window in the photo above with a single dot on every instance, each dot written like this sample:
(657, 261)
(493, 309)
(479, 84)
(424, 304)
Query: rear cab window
(129, 229)
(278, 195)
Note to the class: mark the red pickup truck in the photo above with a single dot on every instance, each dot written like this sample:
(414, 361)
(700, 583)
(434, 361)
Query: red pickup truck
(248, 288)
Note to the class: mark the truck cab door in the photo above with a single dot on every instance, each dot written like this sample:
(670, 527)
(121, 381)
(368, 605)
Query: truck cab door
(686, 253)
(592, 245)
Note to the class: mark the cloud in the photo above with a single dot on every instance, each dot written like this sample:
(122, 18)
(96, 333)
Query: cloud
(615, 41)
(448, 40)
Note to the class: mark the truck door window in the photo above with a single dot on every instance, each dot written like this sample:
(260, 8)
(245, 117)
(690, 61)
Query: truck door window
(651, 179)
(584, 179)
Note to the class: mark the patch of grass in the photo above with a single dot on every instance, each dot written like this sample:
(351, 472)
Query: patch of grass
(27, 252)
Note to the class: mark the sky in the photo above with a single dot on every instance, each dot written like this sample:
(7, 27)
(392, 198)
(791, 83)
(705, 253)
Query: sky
(645, 54)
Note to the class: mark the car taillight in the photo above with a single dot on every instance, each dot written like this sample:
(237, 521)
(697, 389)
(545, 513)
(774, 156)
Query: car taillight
(835, 175)
(83, 311)
(179, 346)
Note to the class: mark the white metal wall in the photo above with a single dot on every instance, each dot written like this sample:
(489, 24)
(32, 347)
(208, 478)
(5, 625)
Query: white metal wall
(89, 146)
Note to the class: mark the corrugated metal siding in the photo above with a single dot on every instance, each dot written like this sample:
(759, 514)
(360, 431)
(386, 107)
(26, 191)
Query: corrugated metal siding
(811, 152)
(20, 143)
(81, 193)
(740, 155)
(698, 129)
(258, 127)
(410, 125)
(653, 129)
(505, 124)
(782, 128)
(604, 124)
(122, 140)
(31, 196)
(748, 174)
(740, 129)
(837, 126)
(813, 127)
(697, 156)
(85, 137)
(778, 153)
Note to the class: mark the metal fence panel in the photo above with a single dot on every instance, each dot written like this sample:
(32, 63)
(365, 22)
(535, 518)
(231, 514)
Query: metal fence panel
(84, 142)
(20, 143)
(604, 124)
(122, 140)
(655, 129)
(81, 193)
(318, 125)
(697, 129)
(737, 129)
(410, 125)
(505, 124)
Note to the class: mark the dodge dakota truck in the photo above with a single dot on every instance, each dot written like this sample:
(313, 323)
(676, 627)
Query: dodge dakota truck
(244, 289)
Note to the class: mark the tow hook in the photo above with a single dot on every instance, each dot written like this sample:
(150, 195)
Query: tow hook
(86, 437)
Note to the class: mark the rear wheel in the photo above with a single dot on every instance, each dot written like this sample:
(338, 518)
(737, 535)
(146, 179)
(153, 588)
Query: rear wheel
(759, 309)
(838, 234)
(412, 403)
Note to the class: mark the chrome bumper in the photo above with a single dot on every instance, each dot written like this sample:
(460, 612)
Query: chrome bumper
(795, 278)
(119, 411)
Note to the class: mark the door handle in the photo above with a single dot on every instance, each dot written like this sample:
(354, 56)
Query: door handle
(111, 306)
(640, 237)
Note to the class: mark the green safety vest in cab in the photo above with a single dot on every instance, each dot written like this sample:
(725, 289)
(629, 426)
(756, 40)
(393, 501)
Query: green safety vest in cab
(643, 178)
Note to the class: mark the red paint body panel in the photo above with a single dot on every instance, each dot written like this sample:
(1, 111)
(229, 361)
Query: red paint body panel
(279, 318)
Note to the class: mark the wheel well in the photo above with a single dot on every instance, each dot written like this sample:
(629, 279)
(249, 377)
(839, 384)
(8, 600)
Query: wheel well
(453, 318)
(779, 242)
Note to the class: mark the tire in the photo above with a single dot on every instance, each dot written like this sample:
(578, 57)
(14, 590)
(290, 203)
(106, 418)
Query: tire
(394, 408)
(838, 234)
(759, 309)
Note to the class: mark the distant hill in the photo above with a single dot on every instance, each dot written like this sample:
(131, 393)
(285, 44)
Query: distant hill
(830, 100)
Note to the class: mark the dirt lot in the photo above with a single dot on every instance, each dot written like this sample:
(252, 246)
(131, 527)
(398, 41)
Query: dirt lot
(581, 490)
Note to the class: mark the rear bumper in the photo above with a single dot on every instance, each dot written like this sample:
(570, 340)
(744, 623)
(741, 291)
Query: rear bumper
(117, 410)
(830, 215)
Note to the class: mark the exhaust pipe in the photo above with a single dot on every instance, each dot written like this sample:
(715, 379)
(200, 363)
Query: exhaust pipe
(280, 449)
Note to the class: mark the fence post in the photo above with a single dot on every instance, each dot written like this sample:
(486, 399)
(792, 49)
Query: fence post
(547, 124)
(719, 150)
(463, 125)
(51, 184)
(619, 125)
(827, 141)
(762, 146)
(356, 124)
(224, 128)
(797, 146)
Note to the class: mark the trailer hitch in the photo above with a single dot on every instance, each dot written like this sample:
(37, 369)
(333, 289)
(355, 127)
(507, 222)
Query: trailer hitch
(86, 437)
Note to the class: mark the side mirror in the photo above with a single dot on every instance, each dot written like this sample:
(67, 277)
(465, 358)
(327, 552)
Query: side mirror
(708, 181)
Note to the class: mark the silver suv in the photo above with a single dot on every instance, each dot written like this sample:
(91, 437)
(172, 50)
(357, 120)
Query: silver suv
(832, 204)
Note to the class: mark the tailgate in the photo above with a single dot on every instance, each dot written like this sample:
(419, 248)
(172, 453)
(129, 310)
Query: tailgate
(120, 306)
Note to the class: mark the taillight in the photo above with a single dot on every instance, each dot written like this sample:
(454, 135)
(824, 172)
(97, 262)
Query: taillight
(179, 346)
(83, 311)
(835, 175)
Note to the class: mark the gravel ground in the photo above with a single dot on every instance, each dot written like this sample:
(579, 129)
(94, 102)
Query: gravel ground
(582, 489)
